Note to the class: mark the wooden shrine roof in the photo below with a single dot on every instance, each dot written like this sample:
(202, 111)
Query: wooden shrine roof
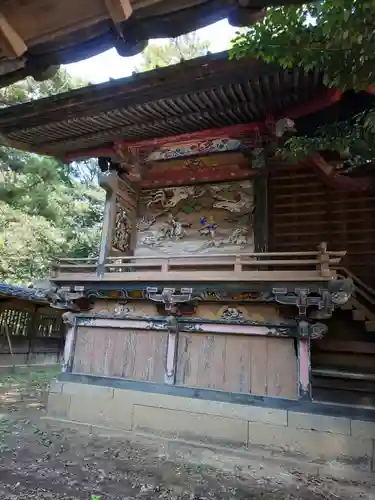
(38, 35)
(21, 293)
(204, 93)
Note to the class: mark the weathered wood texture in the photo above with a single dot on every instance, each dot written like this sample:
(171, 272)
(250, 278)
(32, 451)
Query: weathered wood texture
(36, 334)
(134, 355)
(124, 231)
(260, 366)
(343, 362)
(303, 211)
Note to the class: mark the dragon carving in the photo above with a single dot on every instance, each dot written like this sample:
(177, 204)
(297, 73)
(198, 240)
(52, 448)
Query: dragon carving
(178, 194)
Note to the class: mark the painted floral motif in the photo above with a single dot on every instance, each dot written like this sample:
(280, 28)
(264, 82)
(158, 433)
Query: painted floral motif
(209, 226)
(208, 146)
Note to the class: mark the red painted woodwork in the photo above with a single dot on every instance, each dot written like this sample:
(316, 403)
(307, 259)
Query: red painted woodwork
(204, 174)
(339, 181)
(327, 98)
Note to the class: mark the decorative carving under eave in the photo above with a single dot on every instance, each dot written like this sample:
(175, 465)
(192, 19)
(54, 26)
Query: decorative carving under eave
(68, 318)
(124, 309)
(208, 146)
(131, 162)
(66, 299)
(170, 298)
(338, 292)
(317, 330)
(232, 313)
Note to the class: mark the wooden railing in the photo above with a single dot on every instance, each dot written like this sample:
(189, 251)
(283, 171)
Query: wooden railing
(364, 293)
(268, 266)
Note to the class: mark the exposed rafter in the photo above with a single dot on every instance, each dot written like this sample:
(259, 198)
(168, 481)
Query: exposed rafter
(119, 10)
(11, 42)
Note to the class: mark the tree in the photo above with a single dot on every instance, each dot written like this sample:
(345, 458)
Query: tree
(335, 37)
(29, 89)
(173, 51)
(47, 208)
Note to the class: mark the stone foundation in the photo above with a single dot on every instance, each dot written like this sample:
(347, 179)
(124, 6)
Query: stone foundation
(332, 443)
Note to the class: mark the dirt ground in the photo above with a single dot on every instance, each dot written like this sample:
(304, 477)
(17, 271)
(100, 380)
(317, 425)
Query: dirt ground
(38, 461)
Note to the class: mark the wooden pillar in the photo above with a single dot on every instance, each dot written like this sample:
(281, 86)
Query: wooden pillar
(32, 329)
(108, 181)
(124, 234)
(171, 360)
(260, 214)
(70, 338)
(304, 363)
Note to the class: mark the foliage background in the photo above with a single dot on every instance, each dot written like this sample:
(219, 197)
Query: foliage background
(335, 37)
(47, 208)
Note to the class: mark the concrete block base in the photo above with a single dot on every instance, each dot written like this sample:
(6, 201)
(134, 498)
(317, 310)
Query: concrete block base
(329, 446)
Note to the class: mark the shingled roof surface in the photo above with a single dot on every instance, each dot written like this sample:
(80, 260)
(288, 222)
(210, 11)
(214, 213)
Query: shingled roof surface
(19, 292)
(204, 93)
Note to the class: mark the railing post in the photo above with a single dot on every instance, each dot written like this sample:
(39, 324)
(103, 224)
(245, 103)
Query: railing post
(165, 266)
(325, 271)
(237, 264)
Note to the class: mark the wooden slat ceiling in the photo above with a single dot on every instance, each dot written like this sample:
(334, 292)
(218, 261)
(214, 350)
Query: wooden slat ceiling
(205, 93)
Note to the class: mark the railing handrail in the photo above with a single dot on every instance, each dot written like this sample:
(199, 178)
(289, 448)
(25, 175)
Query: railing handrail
(315, 264)
(212, 262)
(338, 254)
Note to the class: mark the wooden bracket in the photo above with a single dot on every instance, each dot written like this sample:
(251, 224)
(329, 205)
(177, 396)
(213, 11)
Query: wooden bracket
(14, 43)
(120, 10)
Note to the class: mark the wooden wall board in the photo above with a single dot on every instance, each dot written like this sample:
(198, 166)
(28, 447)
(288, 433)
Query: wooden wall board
(259, 366)
(303, 211)
(134, 355)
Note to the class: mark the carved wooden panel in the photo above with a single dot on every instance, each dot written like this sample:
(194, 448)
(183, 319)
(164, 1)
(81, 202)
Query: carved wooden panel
(124, 224)
(255, 312)
(134, 355)
(209, 218)
(260, 366)
(194, 170)
(136, 308)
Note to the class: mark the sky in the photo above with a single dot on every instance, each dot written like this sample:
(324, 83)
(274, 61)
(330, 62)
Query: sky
(110, 65)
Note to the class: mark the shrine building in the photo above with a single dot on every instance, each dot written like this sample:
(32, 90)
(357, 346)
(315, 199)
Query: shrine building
(232, 300)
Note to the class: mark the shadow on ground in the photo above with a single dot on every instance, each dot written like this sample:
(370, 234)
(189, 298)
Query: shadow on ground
(38, 461)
